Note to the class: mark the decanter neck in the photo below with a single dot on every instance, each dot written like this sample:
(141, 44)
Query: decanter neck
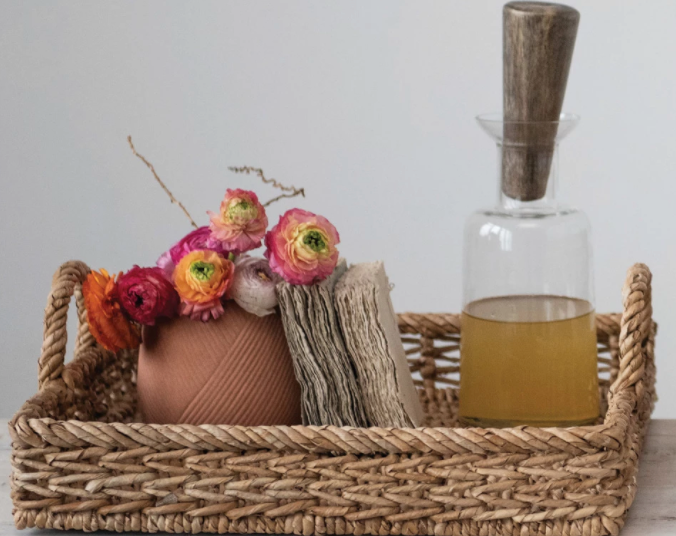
(528, 161)
(541, 164)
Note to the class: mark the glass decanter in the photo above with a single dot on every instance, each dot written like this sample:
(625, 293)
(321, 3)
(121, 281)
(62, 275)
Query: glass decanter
(528, 347)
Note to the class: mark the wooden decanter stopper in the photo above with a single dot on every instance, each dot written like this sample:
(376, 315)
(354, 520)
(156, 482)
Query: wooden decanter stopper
(538, 42)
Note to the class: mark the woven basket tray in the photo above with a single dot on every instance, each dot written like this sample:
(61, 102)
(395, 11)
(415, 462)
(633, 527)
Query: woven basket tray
(81, 462)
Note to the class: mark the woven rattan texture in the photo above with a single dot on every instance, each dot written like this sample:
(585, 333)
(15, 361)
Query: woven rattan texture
(81, 461)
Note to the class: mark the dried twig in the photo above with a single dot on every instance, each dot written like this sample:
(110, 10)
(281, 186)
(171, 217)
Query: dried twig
(157, 178)
(290, 191)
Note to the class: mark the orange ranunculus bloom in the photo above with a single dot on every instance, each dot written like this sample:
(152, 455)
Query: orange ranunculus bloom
(201, 279)
(107, 322)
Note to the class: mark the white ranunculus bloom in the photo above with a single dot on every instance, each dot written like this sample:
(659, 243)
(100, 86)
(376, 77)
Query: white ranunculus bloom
(253, 287)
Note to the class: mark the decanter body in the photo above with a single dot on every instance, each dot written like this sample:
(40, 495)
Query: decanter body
(528, 348)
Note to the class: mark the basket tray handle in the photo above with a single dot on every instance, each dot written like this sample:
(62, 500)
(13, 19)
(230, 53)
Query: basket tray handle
(637, 368)
(67, 281)
(636, 326)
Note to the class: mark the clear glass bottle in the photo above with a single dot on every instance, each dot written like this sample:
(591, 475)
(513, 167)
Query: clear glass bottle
(528, 348)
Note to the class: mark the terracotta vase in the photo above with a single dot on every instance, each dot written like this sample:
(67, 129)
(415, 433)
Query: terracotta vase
(234, 370)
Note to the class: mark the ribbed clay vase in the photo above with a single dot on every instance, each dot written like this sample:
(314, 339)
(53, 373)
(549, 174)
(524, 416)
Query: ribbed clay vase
(233, 370)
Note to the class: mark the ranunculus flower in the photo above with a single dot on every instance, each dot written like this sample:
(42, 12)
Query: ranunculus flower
(145, 294)
(201, 279)
(196, 239)
(107, 322)
(241, 223)
(253, 287)
(302, 247)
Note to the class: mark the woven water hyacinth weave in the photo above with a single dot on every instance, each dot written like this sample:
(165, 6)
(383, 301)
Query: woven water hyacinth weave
(81, 461)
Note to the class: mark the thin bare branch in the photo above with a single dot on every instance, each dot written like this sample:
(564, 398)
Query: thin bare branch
(289, 191)
(164, 187)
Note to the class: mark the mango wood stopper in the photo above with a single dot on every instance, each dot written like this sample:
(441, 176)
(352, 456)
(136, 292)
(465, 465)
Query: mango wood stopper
(538, 42)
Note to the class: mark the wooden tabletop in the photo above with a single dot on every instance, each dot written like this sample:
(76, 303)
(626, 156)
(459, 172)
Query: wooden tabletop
(652, 514)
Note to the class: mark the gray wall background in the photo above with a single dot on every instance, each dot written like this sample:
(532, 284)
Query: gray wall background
(368, 105)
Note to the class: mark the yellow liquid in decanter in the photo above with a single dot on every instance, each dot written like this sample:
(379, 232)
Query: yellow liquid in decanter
(528, 360)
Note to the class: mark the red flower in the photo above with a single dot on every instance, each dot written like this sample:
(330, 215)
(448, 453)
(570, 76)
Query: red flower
(145, 294)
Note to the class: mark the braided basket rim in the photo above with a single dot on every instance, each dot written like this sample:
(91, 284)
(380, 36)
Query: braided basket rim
(330, 438)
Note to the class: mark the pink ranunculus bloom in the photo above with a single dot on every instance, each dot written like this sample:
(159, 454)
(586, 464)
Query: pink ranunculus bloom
(145, 294)
(202, 311)
(240, 224)
(302, 247)
(194, 240)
